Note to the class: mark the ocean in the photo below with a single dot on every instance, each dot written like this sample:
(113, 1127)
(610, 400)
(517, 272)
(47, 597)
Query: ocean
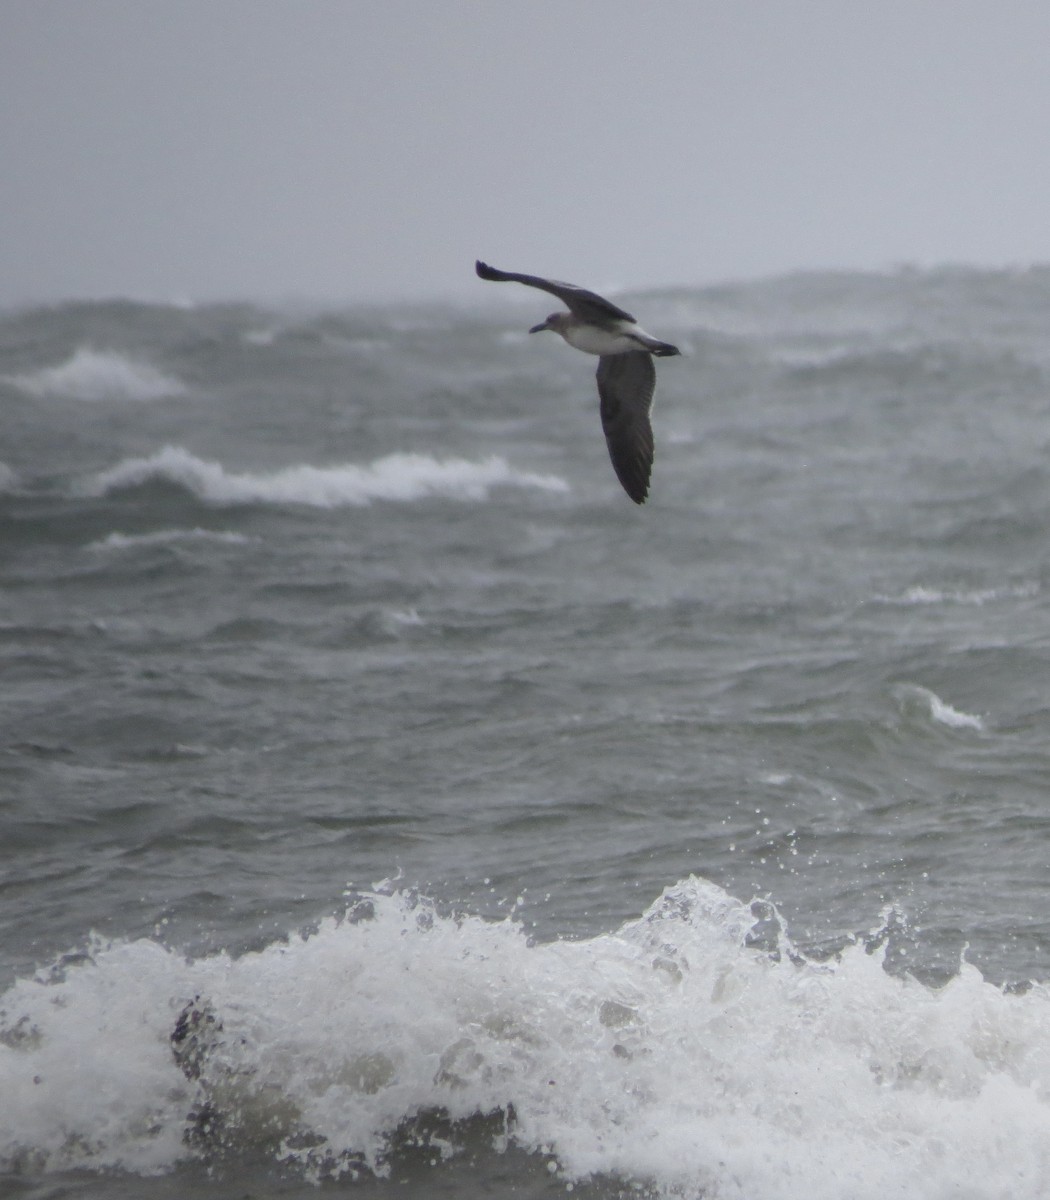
(390, 807)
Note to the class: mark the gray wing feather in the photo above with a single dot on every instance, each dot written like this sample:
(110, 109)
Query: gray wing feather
(625, 388)
(588, 305)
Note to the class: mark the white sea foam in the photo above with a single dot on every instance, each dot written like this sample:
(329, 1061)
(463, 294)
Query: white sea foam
(667, 1053)
(910, 694)
(100, 375)
(8, 478)
(403, 477)
(402, 618)
(921, 595)
(165, 537)
(952, 716)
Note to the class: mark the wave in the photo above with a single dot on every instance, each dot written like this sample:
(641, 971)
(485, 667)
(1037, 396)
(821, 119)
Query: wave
(978, 597)
(671, 1054)
(904, 364)
(99, 375)
(910, 696)
(165, 537)
(398, 477)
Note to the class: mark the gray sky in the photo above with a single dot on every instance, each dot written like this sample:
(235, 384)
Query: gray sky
(360, 149)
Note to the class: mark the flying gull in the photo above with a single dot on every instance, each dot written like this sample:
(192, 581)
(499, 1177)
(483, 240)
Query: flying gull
(626, 375)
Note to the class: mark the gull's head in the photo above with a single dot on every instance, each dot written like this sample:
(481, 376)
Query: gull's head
(555, 321)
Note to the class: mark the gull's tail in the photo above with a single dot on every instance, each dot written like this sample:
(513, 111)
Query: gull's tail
(653, 345)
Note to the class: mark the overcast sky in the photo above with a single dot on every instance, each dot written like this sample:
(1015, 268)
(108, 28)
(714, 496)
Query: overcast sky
(371, 149)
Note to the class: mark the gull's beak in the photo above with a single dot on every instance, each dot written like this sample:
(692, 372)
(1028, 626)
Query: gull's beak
(539, 328)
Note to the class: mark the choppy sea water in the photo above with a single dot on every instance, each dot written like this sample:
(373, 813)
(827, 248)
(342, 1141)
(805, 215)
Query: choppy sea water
(511, 840)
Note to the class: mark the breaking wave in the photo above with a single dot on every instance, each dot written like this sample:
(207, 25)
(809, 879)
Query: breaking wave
(672, 1053)
(396, 477)
(911, 696)
(921, 595)
(99, 375)
(166, 537)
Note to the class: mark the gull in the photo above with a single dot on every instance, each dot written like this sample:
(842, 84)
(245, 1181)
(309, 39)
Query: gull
(626, 375)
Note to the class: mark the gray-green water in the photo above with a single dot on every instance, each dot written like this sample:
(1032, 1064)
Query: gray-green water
(303, 610)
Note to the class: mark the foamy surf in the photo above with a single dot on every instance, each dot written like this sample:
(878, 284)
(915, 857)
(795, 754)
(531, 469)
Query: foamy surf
(668, 1054)
(99, 375)
(394, 477)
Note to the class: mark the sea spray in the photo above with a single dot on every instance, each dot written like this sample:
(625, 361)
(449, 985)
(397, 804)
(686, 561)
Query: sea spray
(669, 1052)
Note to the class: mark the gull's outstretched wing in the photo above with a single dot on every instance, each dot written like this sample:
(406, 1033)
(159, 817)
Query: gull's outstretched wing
(625, 388)
(587, 305)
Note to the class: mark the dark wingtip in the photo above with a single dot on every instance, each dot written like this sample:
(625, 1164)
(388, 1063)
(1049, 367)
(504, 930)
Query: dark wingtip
(639, 493)
(636, 487)
(485, 271)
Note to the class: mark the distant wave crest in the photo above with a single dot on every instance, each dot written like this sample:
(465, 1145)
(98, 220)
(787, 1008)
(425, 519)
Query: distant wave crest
(921, 595)
(398, 477)
(165, 537)
(99, 375)
(912, 697)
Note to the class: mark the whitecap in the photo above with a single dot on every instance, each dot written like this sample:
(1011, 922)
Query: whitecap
(910, 694)
(667, 1053)
(397, 477)
(401, 618)
(165, 537)
(100, 375)
(947, 715)
(921, 594)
